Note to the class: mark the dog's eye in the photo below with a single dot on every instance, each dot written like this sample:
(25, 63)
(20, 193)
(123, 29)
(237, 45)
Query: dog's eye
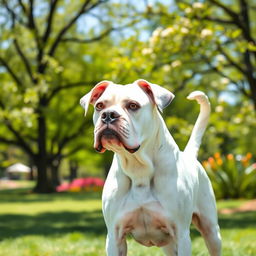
(133, 106)
(99, 106)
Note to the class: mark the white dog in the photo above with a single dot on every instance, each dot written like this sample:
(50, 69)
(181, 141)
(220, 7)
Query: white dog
(153, 190)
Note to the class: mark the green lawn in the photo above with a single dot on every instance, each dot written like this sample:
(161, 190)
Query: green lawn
(72, 224)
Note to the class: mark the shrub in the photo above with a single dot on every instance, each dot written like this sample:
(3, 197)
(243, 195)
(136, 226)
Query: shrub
(232, 176)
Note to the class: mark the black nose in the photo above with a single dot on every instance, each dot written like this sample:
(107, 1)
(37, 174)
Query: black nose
(109, 116)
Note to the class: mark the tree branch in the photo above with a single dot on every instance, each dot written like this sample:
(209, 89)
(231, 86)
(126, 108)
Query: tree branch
(244, 14)
(31, 20)
(184, 82)
(73, 151)
(63, 31)
(24, 59)
(66, 28)
(213, 19)
(14, 16)
(68, 138)
(8, 141)
(90, 40)
(20, 141)
(240, 19)
(230, 60)
(11, 72)
(216, 70)
(48, 29)
(99, 37)
(231, 13)
(68, 86)
(47, 32)
(22, 6)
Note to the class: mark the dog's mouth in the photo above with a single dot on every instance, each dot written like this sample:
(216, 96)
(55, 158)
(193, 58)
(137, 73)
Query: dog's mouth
(109, 136)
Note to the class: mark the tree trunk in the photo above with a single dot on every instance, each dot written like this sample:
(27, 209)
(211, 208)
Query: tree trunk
(31, 174)
(252, 83)
(73, 167)
(44, 184)
(55, 178)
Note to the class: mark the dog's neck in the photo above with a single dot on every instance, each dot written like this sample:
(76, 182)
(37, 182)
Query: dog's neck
(141, 165)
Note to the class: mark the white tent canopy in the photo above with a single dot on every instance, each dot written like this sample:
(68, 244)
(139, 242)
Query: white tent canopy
(18, 168)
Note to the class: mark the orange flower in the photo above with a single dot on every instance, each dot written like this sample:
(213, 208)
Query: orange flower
(245, 161)
(219, 161)
(230, 157)
(211, 161)
(248, 155)
(217, 155)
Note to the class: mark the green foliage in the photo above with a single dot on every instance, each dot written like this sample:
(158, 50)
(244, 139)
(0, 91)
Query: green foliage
(183, 46)
(190, 48)
(232, 177)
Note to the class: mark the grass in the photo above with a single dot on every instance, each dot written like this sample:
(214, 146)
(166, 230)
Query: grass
(72, 224)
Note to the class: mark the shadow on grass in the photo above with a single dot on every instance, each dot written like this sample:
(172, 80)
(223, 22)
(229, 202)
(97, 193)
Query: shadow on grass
(242, 220)
(90, 222)
(26, 196)
(16, 225)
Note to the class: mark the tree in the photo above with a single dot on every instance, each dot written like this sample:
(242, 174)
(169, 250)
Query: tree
(190, 48)
(217, 36)
(45, 59)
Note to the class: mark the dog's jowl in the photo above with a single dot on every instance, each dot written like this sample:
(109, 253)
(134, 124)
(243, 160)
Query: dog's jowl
(153, 190)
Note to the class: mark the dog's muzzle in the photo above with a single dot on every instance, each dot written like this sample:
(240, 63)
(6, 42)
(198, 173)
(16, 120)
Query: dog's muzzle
(109, 135)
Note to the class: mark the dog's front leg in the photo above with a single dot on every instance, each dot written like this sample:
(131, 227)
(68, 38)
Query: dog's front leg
(170, 249)
(184, 243)
(115, 247)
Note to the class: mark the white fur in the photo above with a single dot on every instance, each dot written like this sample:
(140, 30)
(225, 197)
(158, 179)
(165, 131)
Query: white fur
(156, 192)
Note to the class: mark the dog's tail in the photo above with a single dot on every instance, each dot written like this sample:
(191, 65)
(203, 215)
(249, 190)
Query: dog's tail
(201, 122)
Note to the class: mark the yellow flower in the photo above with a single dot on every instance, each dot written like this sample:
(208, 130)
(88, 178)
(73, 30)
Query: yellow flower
(75, 189)
(205, 164)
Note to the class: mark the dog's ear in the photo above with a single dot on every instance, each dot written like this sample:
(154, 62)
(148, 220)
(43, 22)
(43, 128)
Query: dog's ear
(157, 94)
(92, 96)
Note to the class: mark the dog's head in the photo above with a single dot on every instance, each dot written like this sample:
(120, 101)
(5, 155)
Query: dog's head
(122, 113)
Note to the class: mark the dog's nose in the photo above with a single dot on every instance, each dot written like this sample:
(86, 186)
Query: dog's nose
(109, 116)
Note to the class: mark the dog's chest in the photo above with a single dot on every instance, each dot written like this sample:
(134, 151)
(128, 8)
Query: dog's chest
(145, 219)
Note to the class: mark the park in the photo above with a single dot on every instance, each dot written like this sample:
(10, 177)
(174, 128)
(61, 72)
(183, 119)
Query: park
(53, 52)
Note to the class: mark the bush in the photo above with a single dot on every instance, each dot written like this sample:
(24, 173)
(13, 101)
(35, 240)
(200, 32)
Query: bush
(232, 176)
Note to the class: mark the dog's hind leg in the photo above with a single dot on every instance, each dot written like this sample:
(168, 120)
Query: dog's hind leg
(210, 231)
(114, 247)
(180, 247)
(205, 217)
